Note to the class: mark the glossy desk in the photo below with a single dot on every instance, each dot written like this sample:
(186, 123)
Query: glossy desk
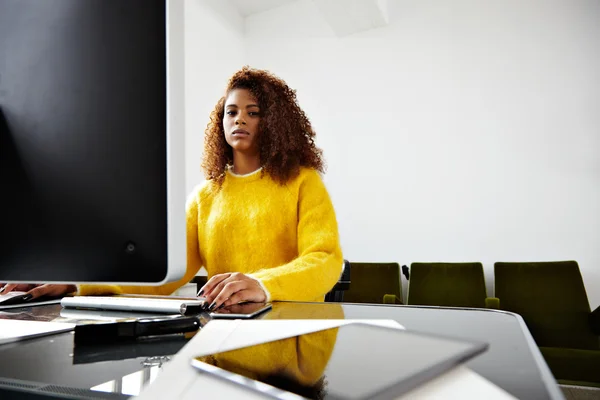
(51, 364)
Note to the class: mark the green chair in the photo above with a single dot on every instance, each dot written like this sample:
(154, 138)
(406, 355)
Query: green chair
(448, 284)
(551, 298)
(374, 283)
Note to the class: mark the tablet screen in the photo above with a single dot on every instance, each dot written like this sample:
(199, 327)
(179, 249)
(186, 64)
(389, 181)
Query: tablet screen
(355, 361)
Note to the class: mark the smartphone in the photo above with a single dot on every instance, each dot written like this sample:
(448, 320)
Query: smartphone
(241, 311)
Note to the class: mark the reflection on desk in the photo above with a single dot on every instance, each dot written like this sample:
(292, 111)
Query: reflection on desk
(295, 364)
(159, 347)
(133, 383)
(292, 310)
(38, 313)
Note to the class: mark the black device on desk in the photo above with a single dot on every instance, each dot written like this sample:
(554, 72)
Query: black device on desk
(135, 328)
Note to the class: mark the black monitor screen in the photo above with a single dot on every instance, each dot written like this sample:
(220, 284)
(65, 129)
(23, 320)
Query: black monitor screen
(83, 143)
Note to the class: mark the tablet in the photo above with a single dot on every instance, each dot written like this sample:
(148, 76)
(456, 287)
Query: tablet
(241, 311)
(355, 361)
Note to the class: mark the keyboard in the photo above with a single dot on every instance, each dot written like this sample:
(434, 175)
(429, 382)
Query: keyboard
(142, 304)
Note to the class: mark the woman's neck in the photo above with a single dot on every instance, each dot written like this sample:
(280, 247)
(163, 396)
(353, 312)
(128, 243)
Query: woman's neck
(244, 164)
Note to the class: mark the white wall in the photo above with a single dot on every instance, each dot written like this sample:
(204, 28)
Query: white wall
(465, 130)
(213, 51)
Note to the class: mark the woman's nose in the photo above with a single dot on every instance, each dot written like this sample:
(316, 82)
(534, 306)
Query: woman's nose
(240, 120)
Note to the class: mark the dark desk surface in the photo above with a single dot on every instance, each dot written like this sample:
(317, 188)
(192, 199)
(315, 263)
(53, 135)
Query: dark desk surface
(512, 362)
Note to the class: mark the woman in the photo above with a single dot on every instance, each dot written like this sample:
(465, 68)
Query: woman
(262, 224)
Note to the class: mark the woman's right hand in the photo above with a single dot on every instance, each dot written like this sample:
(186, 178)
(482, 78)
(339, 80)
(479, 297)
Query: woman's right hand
(37, 290)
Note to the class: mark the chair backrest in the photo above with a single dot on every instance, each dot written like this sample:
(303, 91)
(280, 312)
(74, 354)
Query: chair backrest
(336, 294)
(551, 298)
(447, 284)
(371, 281)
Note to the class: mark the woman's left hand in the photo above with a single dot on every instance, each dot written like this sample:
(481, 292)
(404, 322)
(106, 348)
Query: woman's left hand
(228, 289)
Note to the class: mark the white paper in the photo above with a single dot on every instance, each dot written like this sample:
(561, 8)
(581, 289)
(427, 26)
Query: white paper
(14, 330)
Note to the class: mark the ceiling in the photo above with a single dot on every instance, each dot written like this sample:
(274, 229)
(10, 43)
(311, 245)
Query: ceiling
(249, 7)
(345, 17)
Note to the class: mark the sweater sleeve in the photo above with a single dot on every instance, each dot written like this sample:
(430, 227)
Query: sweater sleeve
(319, 263)
(194, 263)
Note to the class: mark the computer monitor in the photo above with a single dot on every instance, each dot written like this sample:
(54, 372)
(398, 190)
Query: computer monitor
(92, 173)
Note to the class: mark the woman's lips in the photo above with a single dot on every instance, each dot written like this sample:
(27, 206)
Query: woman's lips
(240, 132)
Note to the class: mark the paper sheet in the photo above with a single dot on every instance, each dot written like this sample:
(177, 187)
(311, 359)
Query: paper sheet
(15, 330)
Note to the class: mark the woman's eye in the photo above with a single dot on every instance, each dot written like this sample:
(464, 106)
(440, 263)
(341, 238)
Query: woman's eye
(254, 113)
(230, 112)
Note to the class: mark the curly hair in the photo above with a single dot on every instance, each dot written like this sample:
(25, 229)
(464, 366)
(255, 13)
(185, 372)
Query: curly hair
(286, 141)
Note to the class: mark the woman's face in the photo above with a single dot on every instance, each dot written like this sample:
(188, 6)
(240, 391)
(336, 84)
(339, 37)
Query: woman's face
(240, 121)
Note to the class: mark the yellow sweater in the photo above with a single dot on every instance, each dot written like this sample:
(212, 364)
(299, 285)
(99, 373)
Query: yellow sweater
(286, 236)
